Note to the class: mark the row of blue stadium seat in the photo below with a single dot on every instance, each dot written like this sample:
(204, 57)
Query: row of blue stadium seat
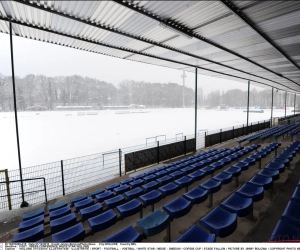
(295, 131)
(258, 135)
(87, 204)
(158, 221)
(222, 221)
(288, 227)
(266, 133)
(60, 214)
(63, 210)
(286, 130)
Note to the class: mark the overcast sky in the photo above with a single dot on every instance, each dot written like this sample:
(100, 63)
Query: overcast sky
(35, 57)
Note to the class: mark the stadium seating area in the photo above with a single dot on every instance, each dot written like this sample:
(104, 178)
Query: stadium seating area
(105, 207)
(267, 133)
(288, 227)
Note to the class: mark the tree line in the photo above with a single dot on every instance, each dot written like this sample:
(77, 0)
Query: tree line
(49, 92)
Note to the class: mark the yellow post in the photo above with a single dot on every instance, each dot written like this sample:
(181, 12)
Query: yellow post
(7, 187)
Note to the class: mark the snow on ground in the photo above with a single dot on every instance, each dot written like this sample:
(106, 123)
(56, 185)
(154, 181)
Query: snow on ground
(57, 135)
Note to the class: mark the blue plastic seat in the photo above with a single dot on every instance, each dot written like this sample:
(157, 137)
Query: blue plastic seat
(187, 170)
(285, 230)
(33, 214)
(286, 155)
(225, 160)
(150, 186)
(104, 196)
(154, 223)
(256, 157)
(78, 198)
(136, 183)
(196, 195)
(62, 223)
(281, 161)
(128, 234)
(237, 204)
(171, 169)
(232, 157)
(196, 234)
(151, 198)
(115, 201)
(31, 235)
(102, 221)
(112, 186)
(197, 175)
(178, 207)
(206, 162)
(139, 176)
(177, 174)
(83, 204)
(223, 177)
(262, 181)
(251, 161)
(91, 211)
(149, 178)
(126, 181)
(242, 165)
(161, 168)
(235, 171)
(276, 166)
(296, 194)
(262, 154)
(184, 181)
(130, 208)
(122, 189)
(72, 234)
(251, 191)
(207, 170)
(150, 172)
(274, 174)
(220, 222)
(164, 180)
(169, 189)
(197, 166)
(291, 213)
(59, 213)
(217, 165)
(212, 186)
(133, 193)
(28, 224)
(57, 206)
(94, 193)
(161, 173)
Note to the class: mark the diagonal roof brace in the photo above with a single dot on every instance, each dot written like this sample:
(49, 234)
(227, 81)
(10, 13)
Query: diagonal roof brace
(182, 29)
(235, 10)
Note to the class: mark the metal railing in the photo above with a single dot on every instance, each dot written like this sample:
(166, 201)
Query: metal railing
(35, 191)
(226, 134)
(71, 175)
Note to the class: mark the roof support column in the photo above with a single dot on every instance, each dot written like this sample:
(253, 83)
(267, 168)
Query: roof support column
(285, 104)
(295, 104)
(271, 122)
(24, 203)
(248, 101)
(196, 102)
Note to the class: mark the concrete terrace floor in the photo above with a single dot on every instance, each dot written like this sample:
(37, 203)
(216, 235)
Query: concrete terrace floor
(266, 212)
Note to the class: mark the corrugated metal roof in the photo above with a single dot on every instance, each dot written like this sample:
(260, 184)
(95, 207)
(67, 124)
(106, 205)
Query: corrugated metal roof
(222, 41)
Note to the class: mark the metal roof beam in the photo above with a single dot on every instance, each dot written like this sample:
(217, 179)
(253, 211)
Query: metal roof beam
(237, 12)
(134, 51)
(152, 43)
(182, 29)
